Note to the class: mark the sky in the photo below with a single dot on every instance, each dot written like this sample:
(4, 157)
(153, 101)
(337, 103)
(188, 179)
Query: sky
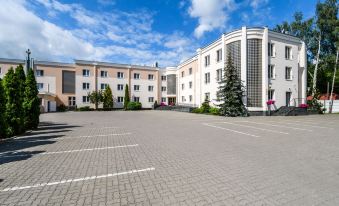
(131, 31)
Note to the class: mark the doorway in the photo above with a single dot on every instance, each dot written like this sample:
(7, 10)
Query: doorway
(288, 98)
(171, 100)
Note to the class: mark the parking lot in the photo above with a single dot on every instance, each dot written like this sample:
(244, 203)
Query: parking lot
(172, 158)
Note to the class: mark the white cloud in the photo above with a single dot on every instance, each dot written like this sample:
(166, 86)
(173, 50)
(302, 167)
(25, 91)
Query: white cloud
(212, 14)
(258, 3)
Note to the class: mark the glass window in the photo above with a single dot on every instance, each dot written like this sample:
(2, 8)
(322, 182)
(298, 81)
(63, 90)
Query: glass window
(150, 88)
(136, 76)
(219, 55)
(85, 86)
(190, 98)
(120, 99)
(182, 86)
(190, 85)
(288, 73)
(39, 73)
(207, 96)
(85, 99)
(190, 71)
(150, 99)
(103, 86)
(136, 99)
(40, 86)
(219, 75)
(271, 52)
(163, 99)
(271, 72)
(71, 101)
(182, 74)
(207, 78)
(207, 60)
(85, 73)
(288, 53)
(163, 89)
(136, 87)
(120, 87)
(271, 94)
(163, 78)
(150, 77)
(120, 75)
(103, 73)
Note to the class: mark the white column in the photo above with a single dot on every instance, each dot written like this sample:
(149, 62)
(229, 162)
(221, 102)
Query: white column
(198, 79)
(244, 58)
(265, 68)
(304, 74)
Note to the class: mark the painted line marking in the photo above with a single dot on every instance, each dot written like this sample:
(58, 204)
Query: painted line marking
(306, 125)
(231, 130)
(71, 151)
(258, 128)
(274, 125)
(102, 135)
(76, 180)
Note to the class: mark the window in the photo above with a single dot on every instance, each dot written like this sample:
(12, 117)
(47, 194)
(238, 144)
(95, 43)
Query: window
(39, 73)
(182, 74)
(163, 99)
(219, 55)
(190, 85)
(68, 82)
(103, 73)
(136, 99)
(40, 86)
(120, 87)
(85, 99)
(150, 99)
(85, 86)
(271, 72)
(163, 78)
(183, 98)
(163, 89)
(288, 73)
(136, 87)
(136, 76)
(85, 72)
(182, 86)
(207, 60)
(120, 75)
(271, 94)
(71, 101)
(271, 52)
(219, 75)
(207, 96)
(120, 99)
(207, 78)
(288, 52)
(150, 77)
(103, 86)
(190, 71)
(190, 98)
(150, 88)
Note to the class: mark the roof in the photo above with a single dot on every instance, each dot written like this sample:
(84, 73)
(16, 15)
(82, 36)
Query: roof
(108, 64)
(16, 61)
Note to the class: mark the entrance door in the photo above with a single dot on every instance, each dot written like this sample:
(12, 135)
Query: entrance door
(288, 98)
(48, 106)
(171, 101)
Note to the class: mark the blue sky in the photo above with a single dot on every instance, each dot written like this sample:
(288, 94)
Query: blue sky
(130, 31)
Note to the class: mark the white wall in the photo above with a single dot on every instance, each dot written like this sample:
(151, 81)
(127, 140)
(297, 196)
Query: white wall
(326, 103)
(49, 84)
(144, 94)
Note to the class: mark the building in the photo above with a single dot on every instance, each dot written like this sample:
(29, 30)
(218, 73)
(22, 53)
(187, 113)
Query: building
(272, 66)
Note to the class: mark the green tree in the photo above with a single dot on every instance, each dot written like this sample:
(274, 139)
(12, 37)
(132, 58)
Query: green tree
(231, 92)
(31, 103)
(21, 78)
(107, 99)
(95, 97)
(3, 125)
(126, 99)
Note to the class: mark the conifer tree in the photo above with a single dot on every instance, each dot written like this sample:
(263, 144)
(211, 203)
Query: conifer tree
(31, 103)
(126, 99)
(231, 92)
(107, 99)
(21, 78)
(2, 111)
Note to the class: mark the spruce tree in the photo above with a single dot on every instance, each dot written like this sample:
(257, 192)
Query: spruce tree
(107, 99)
(126, 99)
(31, 103)
(2, 111)
(21, 78)
(231, 92)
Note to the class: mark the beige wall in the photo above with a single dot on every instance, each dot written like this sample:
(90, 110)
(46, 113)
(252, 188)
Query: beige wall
(5, 67)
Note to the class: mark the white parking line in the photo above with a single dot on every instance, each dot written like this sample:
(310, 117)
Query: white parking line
(231, 130)
(77, 180)
(258, 128)
(306, 125)
(104, 135)
(274, 125)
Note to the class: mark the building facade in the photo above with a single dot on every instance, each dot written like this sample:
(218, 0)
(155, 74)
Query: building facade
(271, 65)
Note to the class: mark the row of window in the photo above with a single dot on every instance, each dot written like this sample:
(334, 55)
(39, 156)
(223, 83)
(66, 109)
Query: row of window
(189, 72)
(288, 96)
(120, 87)
(218, 58)
(272, 52)
(190, 98)
(189, 85)
(120, 75)
(85, 99)
(271, 72)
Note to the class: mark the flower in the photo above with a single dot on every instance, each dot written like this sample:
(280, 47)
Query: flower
(269, 102)
(303, 105)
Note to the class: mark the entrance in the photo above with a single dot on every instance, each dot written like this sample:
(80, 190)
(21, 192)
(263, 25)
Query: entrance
(171, 100)
(288, 98)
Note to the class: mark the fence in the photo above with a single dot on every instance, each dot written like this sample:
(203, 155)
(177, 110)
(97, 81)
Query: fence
(326, 103)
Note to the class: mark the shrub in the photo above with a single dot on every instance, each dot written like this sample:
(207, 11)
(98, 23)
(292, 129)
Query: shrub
(107, 99)
(134, 106)
(126, 99)
(214, 111)
(85, 108)
(197, 110)
(155, 104)
(61, 108)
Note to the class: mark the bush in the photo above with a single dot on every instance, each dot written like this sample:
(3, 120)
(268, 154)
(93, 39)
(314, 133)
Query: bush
(134, 106)
(155, 104)
(85, 108)
(214, 111)
(314, 104)
(61, 108)
(197, 110)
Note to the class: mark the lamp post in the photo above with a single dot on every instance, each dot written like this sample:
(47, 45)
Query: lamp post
(28, 63)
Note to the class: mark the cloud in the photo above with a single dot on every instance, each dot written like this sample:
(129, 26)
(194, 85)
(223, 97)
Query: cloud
(212, 14)
(106, 2)
(258, 3)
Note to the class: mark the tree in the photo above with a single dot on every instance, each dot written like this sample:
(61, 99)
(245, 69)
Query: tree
(107, 99)
(126, 99)
(95, 97)
(21, 78)
(231, 92)
(3, 125)
(31, 103)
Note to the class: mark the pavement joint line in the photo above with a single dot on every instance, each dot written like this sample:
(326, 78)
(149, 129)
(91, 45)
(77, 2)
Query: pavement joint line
(77, 179)
(258, 128)
(231, 130)
(71, 151)
(274, 125)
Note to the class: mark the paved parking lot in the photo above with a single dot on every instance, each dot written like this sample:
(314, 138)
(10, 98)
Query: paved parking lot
(172, 158)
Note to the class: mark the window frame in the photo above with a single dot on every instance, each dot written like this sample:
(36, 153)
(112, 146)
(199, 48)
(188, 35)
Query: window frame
(86, 72)
(136, 74)
(136, 86)
(120, 87)
(120, 77)
(290, 73)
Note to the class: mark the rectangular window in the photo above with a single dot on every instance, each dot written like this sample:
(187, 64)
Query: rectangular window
(288, 52)
(85, 72)
(163, 89)
(71, 101)
(182, 86)
(190, 71)
(190, 98)
(68, 82)
(39, 73)
(207, 78)
(163, 78)
(103, 73)
(288, 98)
(219, 75)
(163, 99)
(136, 99)
(182, 74)
(271, 95)
(288, 73)
(207, 60)
(120, 87)
(40, 86)
(190, 85)
(120, 99)
(136, 87)
(85, 99)
(103, 86)
(207, 96)
(183, 98)
(150, 88)
(136, 76)
(271, 52)
(271, 71)
(120, 75)
(85, 86)
(150, 77)
(219, 55)
(150, 99)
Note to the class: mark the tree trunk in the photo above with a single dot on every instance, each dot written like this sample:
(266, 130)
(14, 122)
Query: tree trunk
(335, 71)
(314, 86)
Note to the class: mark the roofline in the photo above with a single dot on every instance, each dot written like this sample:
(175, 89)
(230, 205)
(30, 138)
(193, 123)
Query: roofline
(48, 63)
(17, 61)
(109, 64)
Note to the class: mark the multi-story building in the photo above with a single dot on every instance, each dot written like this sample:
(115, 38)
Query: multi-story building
(271, 65)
